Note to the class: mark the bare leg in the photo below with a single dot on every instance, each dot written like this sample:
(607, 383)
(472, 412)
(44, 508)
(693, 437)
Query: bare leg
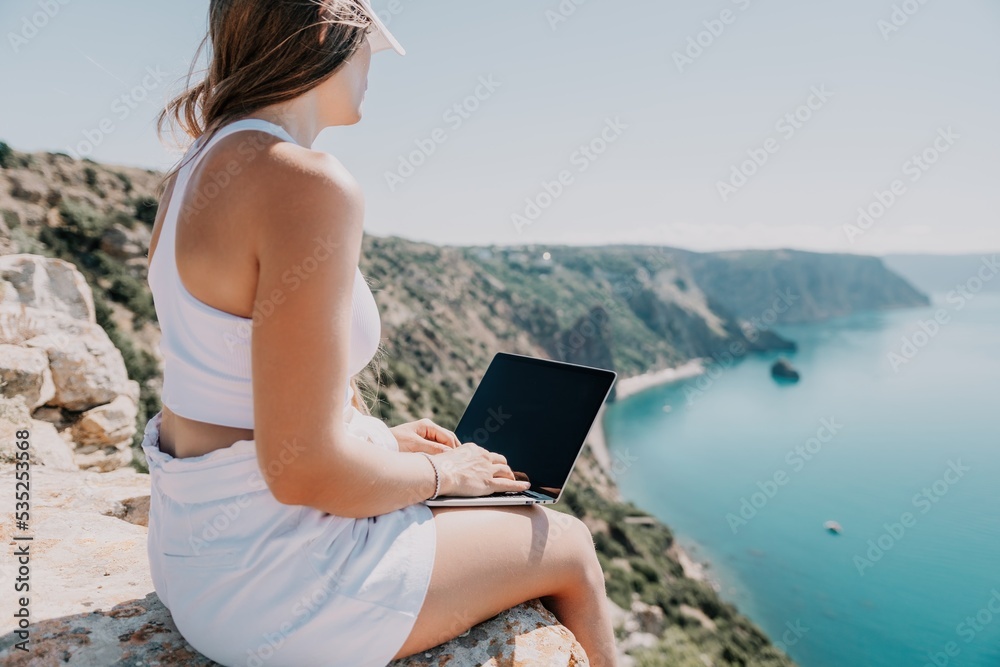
(492, 558)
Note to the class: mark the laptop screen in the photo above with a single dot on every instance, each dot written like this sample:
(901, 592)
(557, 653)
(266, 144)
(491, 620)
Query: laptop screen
(537, 413)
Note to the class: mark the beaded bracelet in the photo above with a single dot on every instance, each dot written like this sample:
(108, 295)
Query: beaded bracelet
(437, 477)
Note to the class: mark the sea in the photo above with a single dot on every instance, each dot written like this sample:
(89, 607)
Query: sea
(892, 432)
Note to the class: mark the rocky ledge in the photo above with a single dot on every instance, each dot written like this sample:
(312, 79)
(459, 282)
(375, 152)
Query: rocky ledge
(92, 602)
(91, 599)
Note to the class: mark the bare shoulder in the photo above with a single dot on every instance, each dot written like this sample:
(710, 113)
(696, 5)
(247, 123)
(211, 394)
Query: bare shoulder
(288, 190)
(286, 170)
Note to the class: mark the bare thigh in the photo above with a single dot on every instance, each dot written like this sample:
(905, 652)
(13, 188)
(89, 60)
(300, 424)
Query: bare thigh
(492, 558)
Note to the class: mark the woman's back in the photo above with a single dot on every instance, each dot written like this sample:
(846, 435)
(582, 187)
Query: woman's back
(203, 276)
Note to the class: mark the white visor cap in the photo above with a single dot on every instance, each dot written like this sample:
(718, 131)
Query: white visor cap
(380, 38)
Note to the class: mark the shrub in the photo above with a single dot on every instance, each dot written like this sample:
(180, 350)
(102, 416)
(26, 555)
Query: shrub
(145, 209)
(126, 181)
(6, 155)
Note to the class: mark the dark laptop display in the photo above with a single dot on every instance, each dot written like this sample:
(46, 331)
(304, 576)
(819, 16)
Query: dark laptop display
(537, 413)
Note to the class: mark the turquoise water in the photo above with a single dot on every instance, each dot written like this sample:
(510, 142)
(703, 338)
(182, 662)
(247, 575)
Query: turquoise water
(909, 459)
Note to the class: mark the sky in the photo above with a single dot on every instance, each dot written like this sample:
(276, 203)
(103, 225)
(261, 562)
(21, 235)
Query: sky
(863, 126)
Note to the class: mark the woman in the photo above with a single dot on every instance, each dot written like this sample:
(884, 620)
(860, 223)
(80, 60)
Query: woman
(287, 525)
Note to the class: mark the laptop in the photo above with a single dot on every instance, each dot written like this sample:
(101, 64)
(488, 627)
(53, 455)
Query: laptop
(537, 413)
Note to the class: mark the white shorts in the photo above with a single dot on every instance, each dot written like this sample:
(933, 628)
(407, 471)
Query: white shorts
(252, 582)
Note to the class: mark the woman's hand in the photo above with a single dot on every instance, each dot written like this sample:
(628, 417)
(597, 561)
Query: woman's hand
(471, 470)
(424, 436)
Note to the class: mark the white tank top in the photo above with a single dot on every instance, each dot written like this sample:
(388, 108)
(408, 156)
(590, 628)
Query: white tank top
(206, 351)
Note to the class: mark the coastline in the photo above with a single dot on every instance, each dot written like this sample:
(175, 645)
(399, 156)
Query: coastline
(693, 568)
(637, 383)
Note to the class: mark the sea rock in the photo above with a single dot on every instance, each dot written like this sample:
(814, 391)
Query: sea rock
(25, 372)
(108, 424)
(782, 369)
(48, 284)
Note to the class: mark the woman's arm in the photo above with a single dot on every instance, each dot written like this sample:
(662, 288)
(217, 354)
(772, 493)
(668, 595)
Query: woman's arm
(308, 228)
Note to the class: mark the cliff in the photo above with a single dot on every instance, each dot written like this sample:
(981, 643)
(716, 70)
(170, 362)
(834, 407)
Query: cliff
(805, 286)
(445, 311)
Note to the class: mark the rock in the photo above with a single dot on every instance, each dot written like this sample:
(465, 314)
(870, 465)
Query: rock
(87, 369)
(54, 416)
(93, 605)
(107, 424)
(103, 435)
(135, 510)
(83, 559)
(132, 390)
(526, 635)
(141, 632)
(48, 284)
(649, 618)
(639, 640)
(103, 458)
(25, 372)
(782, 369)
(46, 447)
(698, 615)
(135, 632)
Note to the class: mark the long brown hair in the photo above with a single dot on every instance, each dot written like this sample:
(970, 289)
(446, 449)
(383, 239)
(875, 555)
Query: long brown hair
(261, 52)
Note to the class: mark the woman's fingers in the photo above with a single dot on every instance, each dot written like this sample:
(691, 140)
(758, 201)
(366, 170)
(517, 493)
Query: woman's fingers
(502, 470)
(435, 433)
(504, 484)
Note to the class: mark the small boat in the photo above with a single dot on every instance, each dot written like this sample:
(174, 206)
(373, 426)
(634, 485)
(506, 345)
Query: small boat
(833, 527)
